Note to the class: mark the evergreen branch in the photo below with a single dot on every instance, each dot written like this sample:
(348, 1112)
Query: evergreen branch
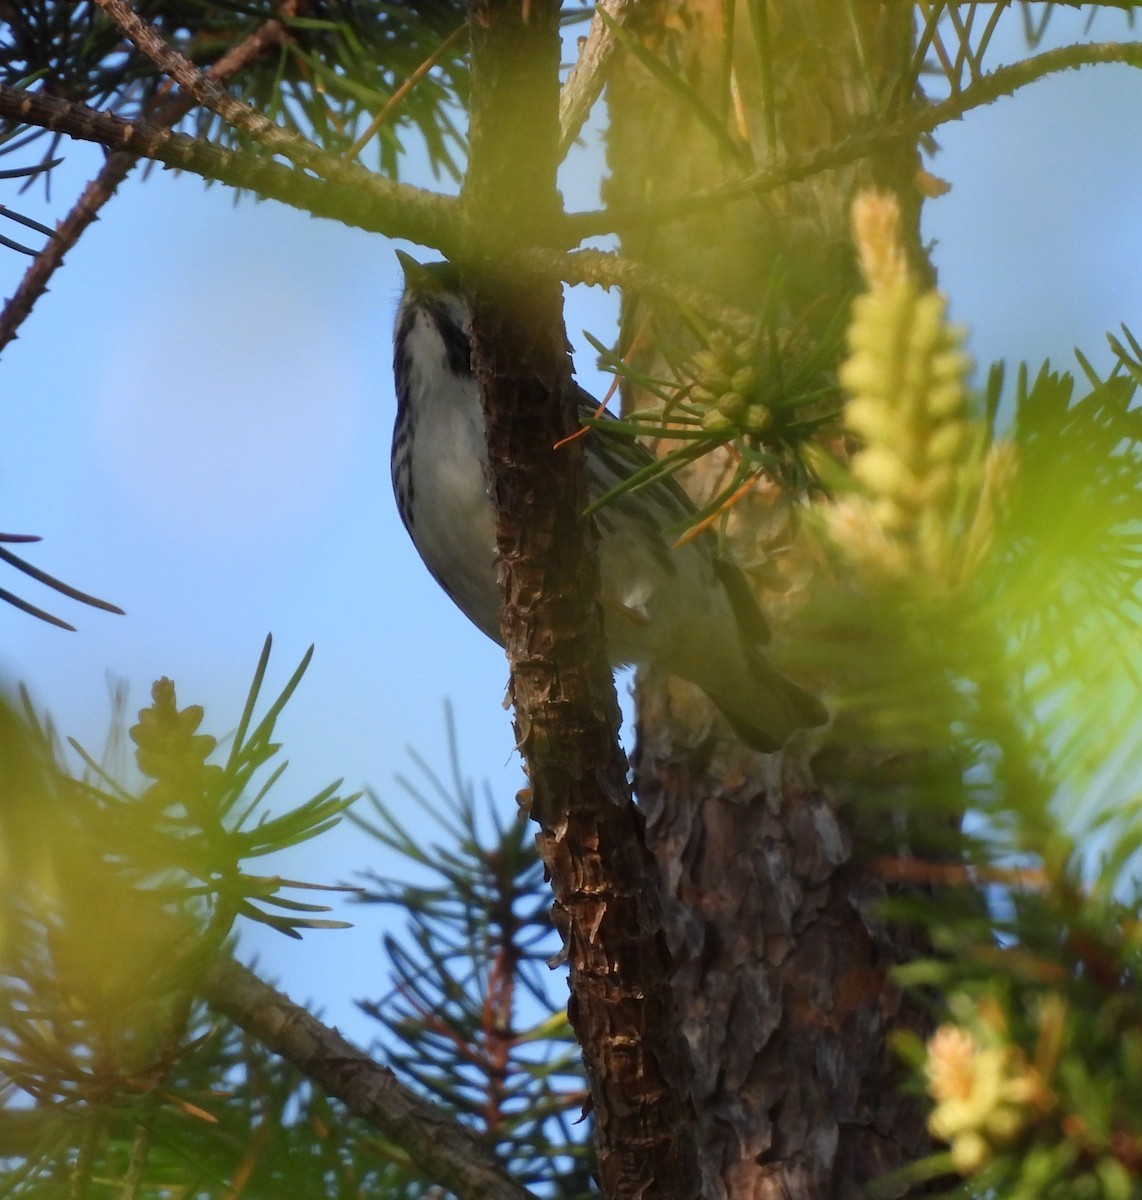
(208, 92)
(1002, 82)
(479, 929)
(115, 169)
(346, 192)
(446, 1152)
(585, 82)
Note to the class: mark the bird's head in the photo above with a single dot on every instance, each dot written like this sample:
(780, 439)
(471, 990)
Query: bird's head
(433, 320)
(433, 287)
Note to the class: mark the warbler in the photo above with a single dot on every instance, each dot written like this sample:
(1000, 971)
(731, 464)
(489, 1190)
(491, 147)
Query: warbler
(685, 609)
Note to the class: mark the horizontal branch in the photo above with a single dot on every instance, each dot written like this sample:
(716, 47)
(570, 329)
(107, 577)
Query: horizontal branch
(350, 194)
(357, 197)
(346, 193)
(444, 1151)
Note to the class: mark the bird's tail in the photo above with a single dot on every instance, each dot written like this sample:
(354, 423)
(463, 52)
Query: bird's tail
(765, 709)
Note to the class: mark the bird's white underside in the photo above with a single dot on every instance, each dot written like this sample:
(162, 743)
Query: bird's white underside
(649, 612)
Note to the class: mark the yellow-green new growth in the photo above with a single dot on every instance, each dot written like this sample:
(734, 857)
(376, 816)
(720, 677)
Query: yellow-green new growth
(984, 1095)
(906, 374)
(986, 1092)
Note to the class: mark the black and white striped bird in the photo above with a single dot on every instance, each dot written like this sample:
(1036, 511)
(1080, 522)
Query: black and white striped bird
(683, 609)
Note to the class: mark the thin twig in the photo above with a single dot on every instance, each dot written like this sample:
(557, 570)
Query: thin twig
(83, 213)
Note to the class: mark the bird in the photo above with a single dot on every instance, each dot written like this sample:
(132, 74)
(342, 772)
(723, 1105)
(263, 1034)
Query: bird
(685, 609)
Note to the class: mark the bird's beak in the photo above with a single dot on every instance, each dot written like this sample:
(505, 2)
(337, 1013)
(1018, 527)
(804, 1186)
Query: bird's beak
(415, 275)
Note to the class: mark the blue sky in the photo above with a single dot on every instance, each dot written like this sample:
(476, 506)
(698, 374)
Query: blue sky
(197, 419)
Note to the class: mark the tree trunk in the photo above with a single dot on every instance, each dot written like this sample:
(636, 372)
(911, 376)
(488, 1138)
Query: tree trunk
(604, 881)
(781, 965)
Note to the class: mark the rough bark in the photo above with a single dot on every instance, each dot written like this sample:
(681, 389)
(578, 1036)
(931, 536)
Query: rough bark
(566, 714)
(780, 961)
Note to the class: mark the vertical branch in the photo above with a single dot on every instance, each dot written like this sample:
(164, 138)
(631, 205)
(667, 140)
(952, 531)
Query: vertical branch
(566, 713)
